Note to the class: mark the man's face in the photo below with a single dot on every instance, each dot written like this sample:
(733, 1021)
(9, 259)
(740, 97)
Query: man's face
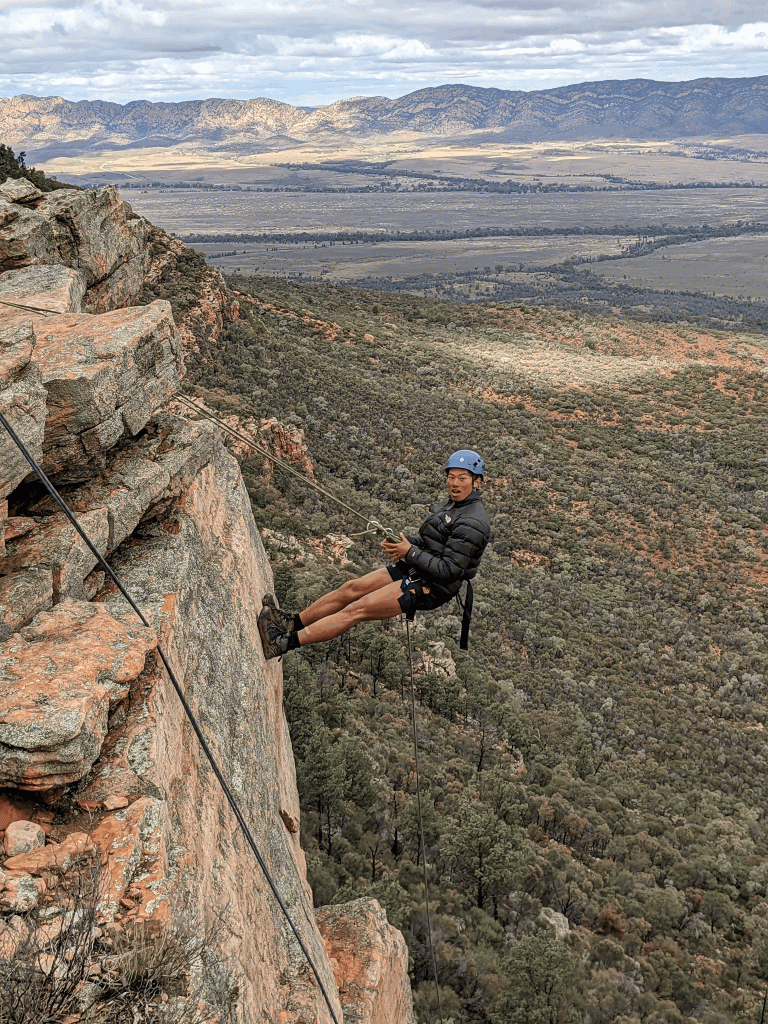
(459, 484)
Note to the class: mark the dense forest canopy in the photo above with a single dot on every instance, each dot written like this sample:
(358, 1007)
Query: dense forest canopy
(593, 784)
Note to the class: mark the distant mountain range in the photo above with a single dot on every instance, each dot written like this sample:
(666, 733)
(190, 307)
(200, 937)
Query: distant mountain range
(637, 108)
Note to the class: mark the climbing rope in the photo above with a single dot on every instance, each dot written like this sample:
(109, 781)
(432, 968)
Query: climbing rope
(421, 823)
(185, 704)
(31, 309)
(372, 525)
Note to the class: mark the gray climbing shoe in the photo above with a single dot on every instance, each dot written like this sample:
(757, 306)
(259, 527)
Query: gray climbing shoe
(280, 618)
(274, 639)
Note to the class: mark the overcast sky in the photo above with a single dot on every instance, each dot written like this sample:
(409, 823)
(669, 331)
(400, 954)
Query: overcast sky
(313, 52)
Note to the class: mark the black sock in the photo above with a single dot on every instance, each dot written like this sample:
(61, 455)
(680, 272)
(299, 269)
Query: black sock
(297, 623)
(293, 641)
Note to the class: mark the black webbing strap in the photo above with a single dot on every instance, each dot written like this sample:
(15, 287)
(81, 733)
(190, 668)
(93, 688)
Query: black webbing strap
(466, 618)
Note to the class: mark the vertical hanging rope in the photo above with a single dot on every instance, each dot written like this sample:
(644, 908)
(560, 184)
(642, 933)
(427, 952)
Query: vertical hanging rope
(421, 823)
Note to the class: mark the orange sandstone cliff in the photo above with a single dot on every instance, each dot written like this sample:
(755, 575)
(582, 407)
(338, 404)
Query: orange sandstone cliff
(98, 764)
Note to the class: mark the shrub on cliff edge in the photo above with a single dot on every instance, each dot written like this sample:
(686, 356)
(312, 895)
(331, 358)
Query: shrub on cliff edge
(12, 166)
(63, 967)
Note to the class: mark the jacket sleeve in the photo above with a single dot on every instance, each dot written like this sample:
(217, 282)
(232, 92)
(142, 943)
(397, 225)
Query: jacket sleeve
(465, 544)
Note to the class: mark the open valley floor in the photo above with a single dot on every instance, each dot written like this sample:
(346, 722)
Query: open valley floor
(403, 210)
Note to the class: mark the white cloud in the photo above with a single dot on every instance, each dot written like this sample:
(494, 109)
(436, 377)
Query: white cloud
(316, 52)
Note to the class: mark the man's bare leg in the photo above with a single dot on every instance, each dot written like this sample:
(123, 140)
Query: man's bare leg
(346, 594)
(380, 603)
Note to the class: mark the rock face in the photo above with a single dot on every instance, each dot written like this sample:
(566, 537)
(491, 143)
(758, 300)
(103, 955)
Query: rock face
(61, 677)
(365, 951)
(92, 731)
(96, 234)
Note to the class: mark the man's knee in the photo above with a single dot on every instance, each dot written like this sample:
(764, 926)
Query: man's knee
(352, 590)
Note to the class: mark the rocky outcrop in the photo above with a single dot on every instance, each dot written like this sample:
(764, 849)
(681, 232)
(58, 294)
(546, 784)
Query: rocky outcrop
(61, 677)
(203, 305)
(365, 953)
(269, 436)
(81, 381)
(96, 234)
(288, 444)
(435, 660)
(104, 376)
(93, 736)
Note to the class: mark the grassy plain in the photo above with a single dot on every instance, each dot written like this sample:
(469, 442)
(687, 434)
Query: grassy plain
(723, 160)
(320, 188)
(724, 266)
(700, 266)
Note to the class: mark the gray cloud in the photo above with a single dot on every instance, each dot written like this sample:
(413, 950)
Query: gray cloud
(314, 52)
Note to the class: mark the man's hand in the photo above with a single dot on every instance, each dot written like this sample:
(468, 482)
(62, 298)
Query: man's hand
(396, 549)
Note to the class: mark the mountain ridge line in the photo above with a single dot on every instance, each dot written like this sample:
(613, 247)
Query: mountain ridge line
(638, 108)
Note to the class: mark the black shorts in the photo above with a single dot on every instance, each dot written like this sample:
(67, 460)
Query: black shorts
(413, 597)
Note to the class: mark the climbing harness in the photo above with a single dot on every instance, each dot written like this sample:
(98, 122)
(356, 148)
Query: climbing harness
(408, 620)
(251, 842)
(465, 607)
(373, 526)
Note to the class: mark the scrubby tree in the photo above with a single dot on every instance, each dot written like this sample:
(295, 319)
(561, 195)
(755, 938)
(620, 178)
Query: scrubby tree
(541, 973)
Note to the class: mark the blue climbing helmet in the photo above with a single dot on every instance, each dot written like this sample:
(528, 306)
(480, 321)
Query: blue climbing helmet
(466, 459)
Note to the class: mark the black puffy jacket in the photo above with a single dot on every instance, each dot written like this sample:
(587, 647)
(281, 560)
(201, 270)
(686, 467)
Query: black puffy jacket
(450, 543)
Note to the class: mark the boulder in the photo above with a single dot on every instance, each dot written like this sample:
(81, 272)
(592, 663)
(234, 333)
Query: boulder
(50, 287)
(43, 860)
(370, 963)
(115, 802)
(21, 837)
(59, 677)
(557, 921)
